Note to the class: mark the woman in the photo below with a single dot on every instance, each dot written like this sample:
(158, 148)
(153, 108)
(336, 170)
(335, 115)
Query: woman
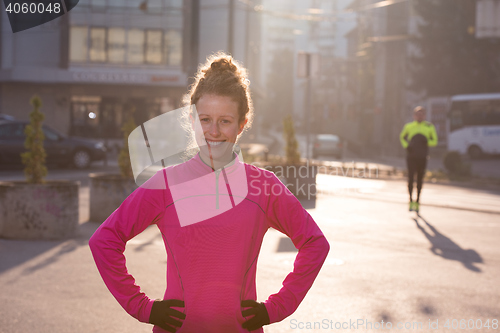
(213, 212)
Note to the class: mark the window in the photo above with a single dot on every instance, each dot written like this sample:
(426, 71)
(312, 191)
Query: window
(153, 7)
(153, 46)
(50, 134)
(97, 44)
(474, 113)
(456, 119)
(85, 117)
(173, 48)
(482, 113)
(78, 46)
(116, 45)
(135, 51)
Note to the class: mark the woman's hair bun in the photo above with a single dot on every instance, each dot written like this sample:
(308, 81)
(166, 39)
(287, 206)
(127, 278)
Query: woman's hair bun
(221, 65)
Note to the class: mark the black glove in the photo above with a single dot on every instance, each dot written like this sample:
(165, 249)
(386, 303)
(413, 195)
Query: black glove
(164, 316)
(259, 312)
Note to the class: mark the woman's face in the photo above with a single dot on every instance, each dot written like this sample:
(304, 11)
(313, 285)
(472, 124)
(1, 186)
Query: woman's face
(220, 126)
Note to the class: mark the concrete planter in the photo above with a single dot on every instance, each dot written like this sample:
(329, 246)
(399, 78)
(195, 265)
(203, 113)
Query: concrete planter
(39, 211)
(107, 192)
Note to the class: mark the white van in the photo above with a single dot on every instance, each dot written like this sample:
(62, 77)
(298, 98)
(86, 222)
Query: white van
(474, 124)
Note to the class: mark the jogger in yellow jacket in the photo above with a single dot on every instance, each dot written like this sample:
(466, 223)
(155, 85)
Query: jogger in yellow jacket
(416, 137)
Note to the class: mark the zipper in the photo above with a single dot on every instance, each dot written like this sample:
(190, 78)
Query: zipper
(228, 188)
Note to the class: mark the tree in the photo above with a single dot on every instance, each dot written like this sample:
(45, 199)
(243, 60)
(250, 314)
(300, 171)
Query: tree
(450, 59)
(34, 159)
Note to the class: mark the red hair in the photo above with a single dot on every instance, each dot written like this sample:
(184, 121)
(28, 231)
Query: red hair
(223, 76)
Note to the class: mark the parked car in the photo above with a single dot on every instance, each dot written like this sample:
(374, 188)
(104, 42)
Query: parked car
(4, 116)
(327, 144)
(61, 150)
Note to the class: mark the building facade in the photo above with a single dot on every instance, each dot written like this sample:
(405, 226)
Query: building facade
(378, 100)
(290, 28)
(100, 63)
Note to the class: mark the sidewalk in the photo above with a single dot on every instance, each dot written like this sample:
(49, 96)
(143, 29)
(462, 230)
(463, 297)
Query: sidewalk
(396, 191)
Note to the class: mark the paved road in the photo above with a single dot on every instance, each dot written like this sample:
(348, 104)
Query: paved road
(389, 264)
(385, 264)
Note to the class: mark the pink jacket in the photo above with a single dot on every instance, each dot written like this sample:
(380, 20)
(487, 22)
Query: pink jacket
(212, 224)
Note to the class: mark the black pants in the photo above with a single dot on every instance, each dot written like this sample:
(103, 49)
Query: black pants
(415, 165)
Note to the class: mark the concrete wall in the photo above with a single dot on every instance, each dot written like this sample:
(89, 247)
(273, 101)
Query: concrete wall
(39, 211)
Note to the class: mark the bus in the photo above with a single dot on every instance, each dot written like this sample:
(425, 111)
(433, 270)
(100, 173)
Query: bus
(474, 124)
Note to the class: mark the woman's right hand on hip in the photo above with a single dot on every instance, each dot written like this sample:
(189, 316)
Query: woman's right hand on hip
(164, 316)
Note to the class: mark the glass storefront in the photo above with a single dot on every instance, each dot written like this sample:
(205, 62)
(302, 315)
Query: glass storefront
(103, 117)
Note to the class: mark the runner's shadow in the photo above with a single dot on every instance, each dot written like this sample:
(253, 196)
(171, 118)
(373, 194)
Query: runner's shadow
(445, 247)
